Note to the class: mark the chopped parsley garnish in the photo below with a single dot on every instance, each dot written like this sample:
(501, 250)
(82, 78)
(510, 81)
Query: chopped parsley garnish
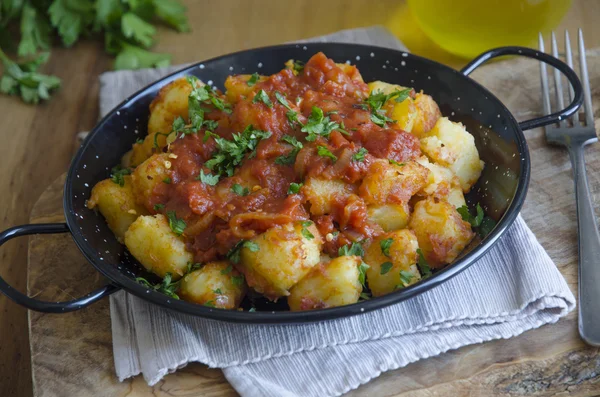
(156, 145)
(486, 227)
(291, 114)
(360, 154)
(193, 266)
(139, 141)
(262, 96)
(289, 158)
(318, 125)
(365, 296)
(218, 291)
(253, 80)
(385, 245)
(177, 225)
(324, 152)
(237, 280)
(294, 188)
(118, 173)
(305, 232)
(210, 303)
(202, 95)
(380, 119)
(167, 286)
(355, 249)
(362, 272)
(167, 180)
(210, 125)
(377, 100)
(234, 253)
(392, 161)
(422, 264)
(405, 278)
(230, 153)
(208, 179)
(227, 270)
(475, 221)
(240, 190)
(386, 267)
(298, 66)
(158, 207)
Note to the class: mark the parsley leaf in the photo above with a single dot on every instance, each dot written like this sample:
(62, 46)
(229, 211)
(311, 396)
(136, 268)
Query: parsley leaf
(294, 188)
(422, 264)
(318, 125)
(486, 227)
(71, 19)
(377, 100)
(405, 278)
(324, 152)
(362, 272)
(227, 270)
(289, 158)
(172, 13)
(385, 245)
(240, 190)
(380, 119)
(305, 232)
(475, 221)
(133, 57)
(360, 154)
(386, 267)
(298, 66)
(193, 266)
(234, 253)
(253, 80)
(218, 291)
(35, 31)
(210, 303)
(392, 161)
(208, 179)
(167, 180)
(365, 296)
(158, 207)
(352, 250)
(238, 280)
(118, 173)
(262, 96)
(230, 153)
(135, 28)
(177, 225)
(167, 286)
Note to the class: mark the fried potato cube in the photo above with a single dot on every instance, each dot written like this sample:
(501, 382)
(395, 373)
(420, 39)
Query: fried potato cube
(215, 284)
(147, 175)
(152, 242)
(440, 230)
(237, 86)
(450, 145)
(140, 152)
(428, 113)
(170, 103)
(329, 284)
(442, 183)
(405, 113)
(351, 71)
(117, 204)
(398, 268)
(391, 183)
(322, 193)
(277, 259)
(389, 216)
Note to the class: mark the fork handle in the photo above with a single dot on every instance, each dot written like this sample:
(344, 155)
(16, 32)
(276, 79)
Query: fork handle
(589, 251)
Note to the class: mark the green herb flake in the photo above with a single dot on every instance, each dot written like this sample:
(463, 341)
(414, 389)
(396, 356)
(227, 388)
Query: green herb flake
(252, 246)
(227, 270)
(298, 66)
(360, 155)
(238, 281)
(324, 152)
(294, 188)
(365, 296)
(167, 286)
(240, 190)
(362, 272)
(253, 80)
(252, 310)
(386, 267)
(354, 249)
(422, 264)
(118, 173)
(406, 278)
(139, 141)
(193, 266)
(318, 125)
(394, 162)
(218, 291)
(486, 227)
(158, 207)
(305, 232)
(466, 215)
(167, 180)
(177, 225)
(262, 96)
(208, 179)
(385, 245)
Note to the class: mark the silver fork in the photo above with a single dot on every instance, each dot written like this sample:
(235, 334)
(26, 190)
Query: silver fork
(575, 137)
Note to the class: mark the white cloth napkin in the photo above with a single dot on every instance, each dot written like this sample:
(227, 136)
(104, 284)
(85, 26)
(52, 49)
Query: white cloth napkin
(514, 288)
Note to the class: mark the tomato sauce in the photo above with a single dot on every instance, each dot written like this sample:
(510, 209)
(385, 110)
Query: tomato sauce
(256, 196)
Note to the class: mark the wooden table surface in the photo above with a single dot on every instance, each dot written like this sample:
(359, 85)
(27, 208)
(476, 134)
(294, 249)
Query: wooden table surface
(31, 133)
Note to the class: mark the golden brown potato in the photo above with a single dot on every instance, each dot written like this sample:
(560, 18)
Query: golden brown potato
(440, 230)
(170, 103)
(237, 87)
(449, 144)
(390, 183)
(280, 257)
(322, 193)
(216, 284)
(442, 183)
(152, 242)
(331, 283)
(392, 259)
(428, 114)
(147, 175)
(140, 152)
(117, 204)
(389, 216)
(351, 71)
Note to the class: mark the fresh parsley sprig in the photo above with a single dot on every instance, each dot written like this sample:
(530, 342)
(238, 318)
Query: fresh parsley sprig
(377, 100)
(483, 224)
(23, 79)
(117, 175)
(318, 125)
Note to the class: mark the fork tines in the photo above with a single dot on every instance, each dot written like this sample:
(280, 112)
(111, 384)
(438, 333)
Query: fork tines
(585, 81)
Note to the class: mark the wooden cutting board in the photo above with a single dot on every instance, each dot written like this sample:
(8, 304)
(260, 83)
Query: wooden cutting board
(72, 353)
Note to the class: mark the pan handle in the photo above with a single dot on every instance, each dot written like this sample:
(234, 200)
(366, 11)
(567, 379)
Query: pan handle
(39, 305)
(543, 57)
